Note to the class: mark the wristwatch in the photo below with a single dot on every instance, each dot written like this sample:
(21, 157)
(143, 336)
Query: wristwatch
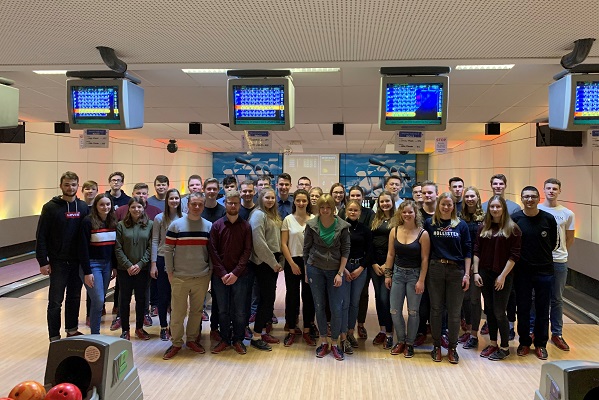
(340, 273)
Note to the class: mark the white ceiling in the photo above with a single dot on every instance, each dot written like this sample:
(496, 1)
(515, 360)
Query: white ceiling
(158, 38)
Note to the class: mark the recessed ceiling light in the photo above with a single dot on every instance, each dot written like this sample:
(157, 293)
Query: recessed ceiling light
(51, 72)
(481, 67)
(223, 71)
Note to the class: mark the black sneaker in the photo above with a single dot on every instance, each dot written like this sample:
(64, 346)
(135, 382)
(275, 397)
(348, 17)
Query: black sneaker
(165, 334)
(499, 355)
(436, 354)
(452, 355)
(352, 340)
(347, 347)
(408, 351)
(472, 343)
(260, 345)
(388, 345)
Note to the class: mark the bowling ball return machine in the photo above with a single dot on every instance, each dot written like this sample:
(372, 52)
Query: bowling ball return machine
(100, 366)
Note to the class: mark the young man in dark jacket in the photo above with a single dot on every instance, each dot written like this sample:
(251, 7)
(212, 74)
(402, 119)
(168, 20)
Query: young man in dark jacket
(56, 252)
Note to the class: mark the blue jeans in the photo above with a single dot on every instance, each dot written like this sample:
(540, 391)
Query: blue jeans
(403, 287)
(560, 274)
(322, 284)
(232, 301)
(351, 297)
(381, 297)
(101, 270)
(525, 282)
(64, 277)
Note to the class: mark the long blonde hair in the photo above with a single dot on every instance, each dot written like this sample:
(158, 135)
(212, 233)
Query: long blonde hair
(506, 225)
(398, 218)
(379, 217)
(436, 220)
(273, 213)
(478, 215)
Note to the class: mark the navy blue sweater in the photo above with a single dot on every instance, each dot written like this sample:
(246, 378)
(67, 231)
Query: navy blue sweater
(449, 243)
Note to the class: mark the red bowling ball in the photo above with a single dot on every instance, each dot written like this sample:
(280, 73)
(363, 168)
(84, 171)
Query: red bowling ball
(64, 391)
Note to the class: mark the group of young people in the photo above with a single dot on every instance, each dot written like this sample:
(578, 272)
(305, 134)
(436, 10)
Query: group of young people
(437, 252)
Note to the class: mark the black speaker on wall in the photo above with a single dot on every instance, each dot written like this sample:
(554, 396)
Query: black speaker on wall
(555, 137)
(339, 129)
(62, 127)
(492, 128)
(195, 128)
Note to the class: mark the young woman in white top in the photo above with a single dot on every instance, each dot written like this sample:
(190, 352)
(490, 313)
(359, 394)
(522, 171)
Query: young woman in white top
(292, 246)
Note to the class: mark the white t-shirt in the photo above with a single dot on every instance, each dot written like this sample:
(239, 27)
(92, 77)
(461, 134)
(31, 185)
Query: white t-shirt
(565, 222)
(296, 235)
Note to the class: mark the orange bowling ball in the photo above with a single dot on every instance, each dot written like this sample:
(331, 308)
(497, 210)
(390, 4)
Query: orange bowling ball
(28, 390)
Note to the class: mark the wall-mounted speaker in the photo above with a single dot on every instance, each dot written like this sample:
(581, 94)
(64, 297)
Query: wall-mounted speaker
(62, 127)
(492, 128)
(339, 129)
(195, 128)
(547, 136)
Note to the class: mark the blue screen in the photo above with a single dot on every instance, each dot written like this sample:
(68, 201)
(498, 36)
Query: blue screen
(414, 104)
(586, 108)
(259, 104)
(95, 105)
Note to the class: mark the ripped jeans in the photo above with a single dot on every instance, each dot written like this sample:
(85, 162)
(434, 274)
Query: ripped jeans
(404, 286)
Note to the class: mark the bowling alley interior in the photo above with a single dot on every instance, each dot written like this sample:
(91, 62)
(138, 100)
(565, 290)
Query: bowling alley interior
(348, 91)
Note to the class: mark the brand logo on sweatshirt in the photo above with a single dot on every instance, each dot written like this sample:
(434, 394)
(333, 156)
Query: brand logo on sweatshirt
(72, 214)
(544, 233)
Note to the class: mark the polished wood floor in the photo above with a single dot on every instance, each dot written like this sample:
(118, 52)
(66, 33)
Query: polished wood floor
(294, 372)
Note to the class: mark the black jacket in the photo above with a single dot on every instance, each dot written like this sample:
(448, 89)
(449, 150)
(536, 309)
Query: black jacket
(58, 230)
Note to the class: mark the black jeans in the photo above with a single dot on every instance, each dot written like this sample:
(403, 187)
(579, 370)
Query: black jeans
(382, 298)
(525, 282)
(445, 291)
(266, 279)
(163, 291)
(64, 276)
(496, 304)
(364, 297)
(471, 305)
(128, 284)
(293, 283)
(233, 307)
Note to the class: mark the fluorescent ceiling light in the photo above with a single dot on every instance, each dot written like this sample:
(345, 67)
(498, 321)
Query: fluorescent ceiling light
(51, 72)
(223, 71)
(481, 67)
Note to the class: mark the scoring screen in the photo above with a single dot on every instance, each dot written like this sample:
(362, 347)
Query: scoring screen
(95, 104)
(414, 103)
(586, 108)
(259, 104)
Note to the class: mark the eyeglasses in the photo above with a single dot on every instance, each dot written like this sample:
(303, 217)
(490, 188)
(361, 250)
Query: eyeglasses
(530, 197)
(116, 180)
(231, 204)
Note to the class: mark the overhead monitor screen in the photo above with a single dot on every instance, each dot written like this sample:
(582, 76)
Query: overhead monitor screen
(586, 105)
(259, 105)
(95, 105)
(414, 104)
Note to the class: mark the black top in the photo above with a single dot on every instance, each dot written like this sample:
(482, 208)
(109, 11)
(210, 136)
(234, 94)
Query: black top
(366, 216)
(539, 238)
(408, 255)
(361, 240)
(380, 243)
(117, 202)
(58, 230)
(214, 214)
(244, 213)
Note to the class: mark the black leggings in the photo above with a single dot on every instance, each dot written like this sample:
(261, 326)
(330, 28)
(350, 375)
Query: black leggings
(266, 278)
(292, 297)
(496, 302)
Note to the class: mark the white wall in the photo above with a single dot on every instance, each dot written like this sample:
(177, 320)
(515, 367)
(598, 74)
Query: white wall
(30, 172)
